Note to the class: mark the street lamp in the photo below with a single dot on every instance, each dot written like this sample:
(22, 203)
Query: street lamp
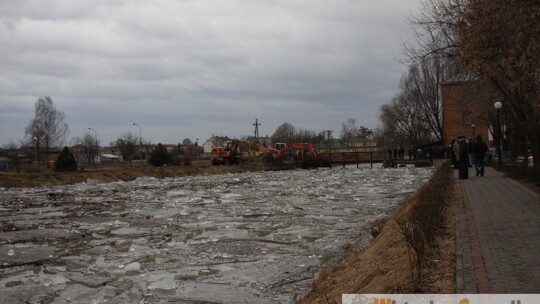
(36, 143)
(97, 148)
(473, 131)
(498, 106)
(140, 136)
(197, 148)
(329, 132)
(391, 147)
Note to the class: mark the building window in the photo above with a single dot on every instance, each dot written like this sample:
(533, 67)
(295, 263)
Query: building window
(467, 118)
(469, 94)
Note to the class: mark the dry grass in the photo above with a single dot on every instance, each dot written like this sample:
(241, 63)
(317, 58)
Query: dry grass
(383, 267)
(380, 268)
(123, 172)
(440, 273)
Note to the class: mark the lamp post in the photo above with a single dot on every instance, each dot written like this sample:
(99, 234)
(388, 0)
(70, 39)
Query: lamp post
(473, 126)
(197, 148)
(498, 106)
(37, 158)
(391, 147)
(97, 149)
(140, 136)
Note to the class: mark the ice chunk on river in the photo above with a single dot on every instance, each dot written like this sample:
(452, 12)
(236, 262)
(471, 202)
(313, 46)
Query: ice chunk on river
(162, 280)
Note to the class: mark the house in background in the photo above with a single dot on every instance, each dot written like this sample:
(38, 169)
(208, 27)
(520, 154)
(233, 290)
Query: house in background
(4, 164)
(109, 158)
(214, 141)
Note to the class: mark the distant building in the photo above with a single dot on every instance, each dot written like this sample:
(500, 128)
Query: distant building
(214, 141)
(4, 164)
(108, 158)
(462, 113)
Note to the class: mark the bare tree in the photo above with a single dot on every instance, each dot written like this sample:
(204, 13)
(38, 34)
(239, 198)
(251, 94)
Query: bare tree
(127, 144)
(11, 150)
(89, 147)
(415, 113)
(307, 136)
(495, 41)
(422, 85)
(435, 30)
(349, 129)
(48, 126)
(401, 119)
(365, 133)
(285, 133)
(500, 43)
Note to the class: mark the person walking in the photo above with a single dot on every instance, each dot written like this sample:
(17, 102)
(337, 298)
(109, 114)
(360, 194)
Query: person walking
(472, 161)
(480, 149)
(461, 149)
(453, 153)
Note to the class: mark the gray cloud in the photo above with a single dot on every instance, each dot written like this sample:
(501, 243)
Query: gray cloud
(196, 67)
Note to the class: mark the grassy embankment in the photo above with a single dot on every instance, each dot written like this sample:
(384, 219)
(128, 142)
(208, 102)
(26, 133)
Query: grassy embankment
(384, 266)
(123, 172)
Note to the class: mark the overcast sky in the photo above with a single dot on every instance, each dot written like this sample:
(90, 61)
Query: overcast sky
(193, 68)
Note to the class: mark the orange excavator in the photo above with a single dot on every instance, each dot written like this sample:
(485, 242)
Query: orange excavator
(230, 153)
(302, 155)
(227, 154)
(270, 155)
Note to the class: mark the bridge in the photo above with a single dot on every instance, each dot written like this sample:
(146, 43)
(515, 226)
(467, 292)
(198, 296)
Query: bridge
(351, 158)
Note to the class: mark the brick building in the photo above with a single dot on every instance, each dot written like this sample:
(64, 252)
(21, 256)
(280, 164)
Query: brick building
(462, 112)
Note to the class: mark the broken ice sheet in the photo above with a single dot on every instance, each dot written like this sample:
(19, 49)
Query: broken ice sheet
(248, 235)
(160, 280)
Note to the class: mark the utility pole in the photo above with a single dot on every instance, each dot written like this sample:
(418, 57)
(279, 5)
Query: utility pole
(329, 133)
(140, 140)
(97, 149)
(257, 124)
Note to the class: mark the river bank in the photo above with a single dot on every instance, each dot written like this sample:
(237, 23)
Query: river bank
(120, 172)
(258, 236)
(384, 267)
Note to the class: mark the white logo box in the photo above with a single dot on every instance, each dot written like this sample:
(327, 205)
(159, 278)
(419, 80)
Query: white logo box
(441, 299)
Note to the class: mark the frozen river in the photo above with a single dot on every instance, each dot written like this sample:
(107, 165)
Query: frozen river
(239, 238)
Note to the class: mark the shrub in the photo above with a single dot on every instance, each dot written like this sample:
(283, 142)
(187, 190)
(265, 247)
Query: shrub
(420, 226)
(159, 156)
(65, 161)
(176, 160)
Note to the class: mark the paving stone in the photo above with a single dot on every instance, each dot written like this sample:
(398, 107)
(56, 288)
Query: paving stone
(506, 219)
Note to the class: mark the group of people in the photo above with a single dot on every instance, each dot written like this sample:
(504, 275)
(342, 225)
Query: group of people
(413, 153)
(469, 153)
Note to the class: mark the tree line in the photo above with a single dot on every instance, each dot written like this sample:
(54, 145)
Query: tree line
(48, 130)
(493, 43)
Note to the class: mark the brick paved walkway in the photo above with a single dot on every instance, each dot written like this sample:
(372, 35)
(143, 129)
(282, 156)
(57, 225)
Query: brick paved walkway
(498, 236)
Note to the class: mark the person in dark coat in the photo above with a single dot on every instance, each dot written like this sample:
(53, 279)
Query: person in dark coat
(453, 154)
(461, 148)
(480, 149)
(472, 161)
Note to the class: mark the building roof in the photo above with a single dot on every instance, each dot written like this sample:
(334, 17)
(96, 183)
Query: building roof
(332, 144)
(460, 79)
